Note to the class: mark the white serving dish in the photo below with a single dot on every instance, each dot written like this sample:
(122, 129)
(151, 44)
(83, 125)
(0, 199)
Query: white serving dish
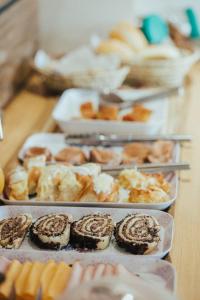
(172, 178)
(67, 112)
(165, 220)
(150, 269)
(56, 141)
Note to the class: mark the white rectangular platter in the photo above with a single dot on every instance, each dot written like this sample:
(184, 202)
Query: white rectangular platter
(171, 177)
(56, 141)
(67, 112)
(152, 270)
(165, 220)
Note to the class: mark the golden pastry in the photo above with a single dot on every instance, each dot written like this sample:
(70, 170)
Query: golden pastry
(108, 112)
(161, 151)
(135, 152)
(72, 155)
(16, 187)
(35, 151)
(104, 156)
(138, 114)
(87, 110)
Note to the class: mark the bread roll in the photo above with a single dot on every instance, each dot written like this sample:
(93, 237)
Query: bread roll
(130, 35)
(117, 47)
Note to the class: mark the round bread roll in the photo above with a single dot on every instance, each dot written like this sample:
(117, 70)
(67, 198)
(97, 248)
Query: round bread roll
(117, 47)
(2, 181)
(130, 35)
(160, 52)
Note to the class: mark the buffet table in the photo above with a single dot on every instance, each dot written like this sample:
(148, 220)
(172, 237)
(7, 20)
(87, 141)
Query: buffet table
(29, 113)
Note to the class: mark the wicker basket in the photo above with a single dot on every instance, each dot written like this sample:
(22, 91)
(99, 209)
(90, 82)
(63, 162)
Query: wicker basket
(97, 80)
(162, 72)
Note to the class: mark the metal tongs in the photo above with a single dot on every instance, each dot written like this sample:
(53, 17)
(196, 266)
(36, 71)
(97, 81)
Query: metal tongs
(116, 140)
(112, 97)
(151, 167)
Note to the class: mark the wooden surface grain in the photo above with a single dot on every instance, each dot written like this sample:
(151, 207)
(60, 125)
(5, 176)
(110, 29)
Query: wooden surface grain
(30, 113)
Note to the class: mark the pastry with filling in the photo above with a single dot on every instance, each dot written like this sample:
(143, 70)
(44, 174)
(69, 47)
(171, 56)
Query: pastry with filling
(13, 231)
(87, 110)
(51, 231)
(139, 113)
(135, 153)
(72, 155)
(16, 187)
(100, 188)
(34, 166)
(138, 233)
(104, 156)
(92, 232)
(161, 151)
(108, 112)
(37, 151)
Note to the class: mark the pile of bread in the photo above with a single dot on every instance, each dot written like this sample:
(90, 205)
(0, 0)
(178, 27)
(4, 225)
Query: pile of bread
(129, 43)
(86, 183)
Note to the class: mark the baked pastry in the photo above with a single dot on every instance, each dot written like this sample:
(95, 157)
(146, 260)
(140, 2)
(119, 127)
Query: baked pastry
(137, 187)
(130, 35)
(108, 112)
(139, 113)
(16, 187)
(51, 231)
(34, 166)
(13, 231)
(72, 155)
(50, 178)
(101, 188)
(135, 152)
(161, 151)
(92, 232)
(116, 47)
(137, 233)
(104, 156)
(35, 151)
(87, 110)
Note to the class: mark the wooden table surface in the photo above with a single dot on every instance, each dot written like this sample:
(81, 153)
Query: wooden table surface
(29, 113)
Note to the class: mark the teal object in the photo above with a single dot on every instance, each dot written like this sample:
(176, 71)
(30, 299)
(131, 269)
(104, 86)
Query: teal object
(193, 20)
(155, 29)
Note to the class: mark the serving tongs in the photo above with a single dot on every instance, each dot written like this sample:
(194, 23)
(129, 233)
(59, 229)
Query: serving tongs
(116, 140)
(114, 98)
(151, 167)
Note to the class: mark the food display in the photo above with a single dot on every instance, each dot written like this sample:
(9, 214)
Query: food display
(133, 152)
(13, 231)
(110, 112)
(72, 230)
(27, 279)
(51, 231)
(138, 233)
(92, 232)
(86, 183)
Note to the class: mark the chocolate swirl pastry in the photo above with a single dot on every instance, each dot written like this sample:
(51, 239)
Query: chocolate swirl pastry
(13, 231)
(51, 231)
(138, 233)
(92, 232)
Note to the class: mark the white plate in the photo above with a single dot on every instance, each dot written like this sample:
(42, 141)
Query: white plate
(56, 141)
(172, 178)
(155, 270)
(165, 220)
(68, 108)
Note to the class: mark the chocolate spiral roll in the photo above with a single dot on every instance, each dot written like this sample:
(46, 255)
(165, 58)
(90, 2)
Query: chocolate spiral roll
(137, 233)
(92, 232)
(13, 231)
(51, 231)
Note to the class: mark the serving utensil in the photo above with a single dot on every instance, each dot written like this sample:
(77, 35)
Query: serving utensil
(116, 140)
(152, 167)
(114, 98)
